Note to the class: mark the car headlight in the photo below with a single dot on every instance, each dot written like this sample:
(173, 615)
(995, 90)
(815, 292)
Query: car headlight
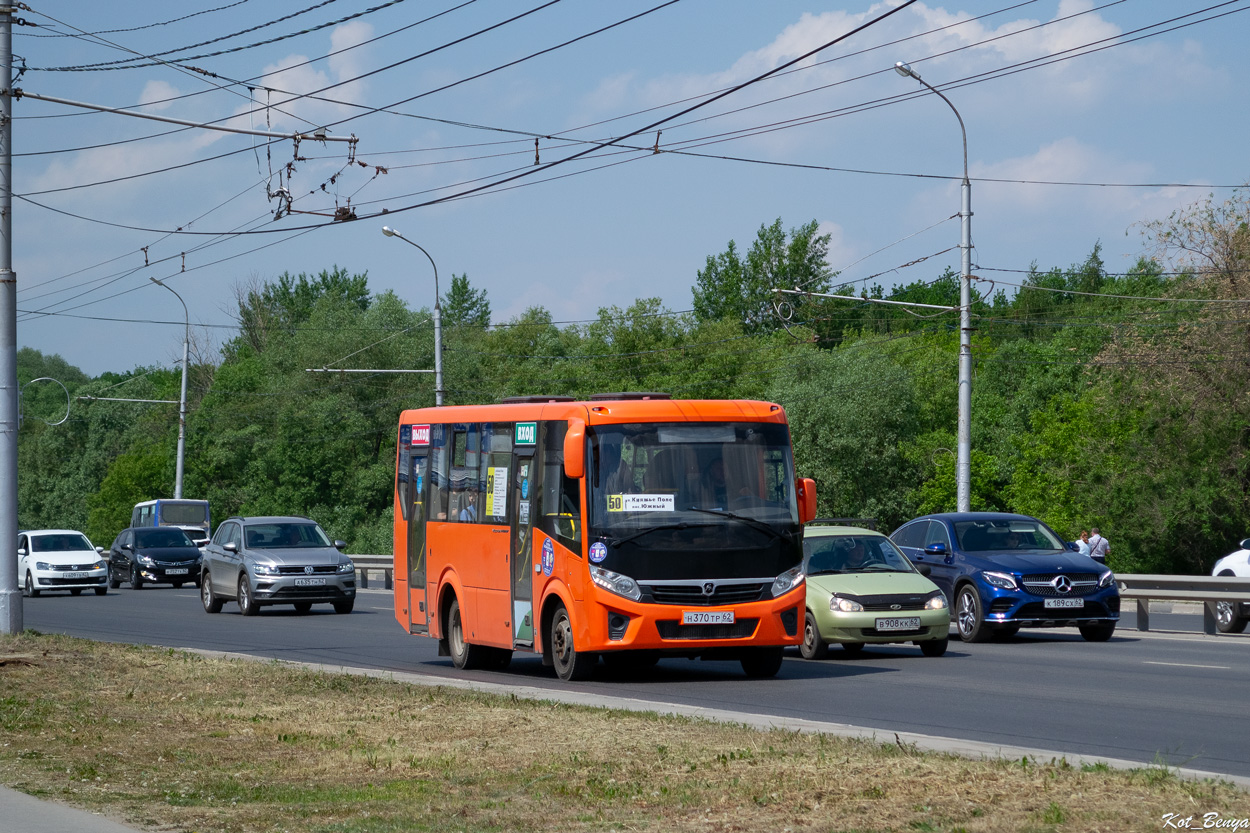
(787, 581)
(935, 602)
(146, 560)
(1002, 581)
(101, 565)
(347, 567)
(42, 565)
(616, 583)
(1106, 579)
(265, 569)
(845, 605)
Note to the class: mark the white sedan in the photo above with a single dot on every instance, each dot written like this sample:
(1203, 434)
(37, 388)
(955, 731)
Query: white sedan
(1232, 617)
(60, 559)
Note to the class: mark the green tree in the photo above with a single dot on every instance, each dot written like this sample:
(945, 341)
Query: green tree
(465, 306)
(732, 288)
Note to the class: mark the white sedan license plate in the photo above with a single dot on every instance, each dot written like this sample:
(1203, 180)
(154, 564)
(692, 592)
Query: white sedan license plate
(73, 575)
(176, 571)
(310, 582)
(1064, 603)
(707, 617)
(909, 623)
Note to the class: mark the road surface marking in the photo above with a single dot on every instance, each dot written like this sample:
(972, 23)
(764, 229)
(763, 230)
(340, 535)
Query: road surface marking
(1186, 665)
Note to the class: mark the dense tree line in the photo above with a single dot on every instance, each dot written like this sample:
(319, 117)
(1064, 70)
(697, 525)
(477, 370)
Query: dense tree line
(1110, 400)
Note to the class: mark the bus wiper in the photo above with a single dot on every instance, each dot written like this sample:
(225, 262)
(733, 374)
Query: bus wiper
(752, 522)
(648, 530)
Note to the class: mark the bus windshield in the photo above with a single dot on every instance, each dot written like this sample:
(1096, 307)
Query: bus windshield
(660, 474)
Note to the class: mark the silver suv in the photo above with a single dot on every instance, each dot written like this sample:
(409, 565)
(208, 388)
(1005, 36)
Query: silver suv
(276, 560)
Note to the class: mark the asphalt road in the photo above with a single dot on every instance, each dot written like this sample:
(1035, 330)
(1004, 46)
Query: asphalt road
(1165, 696)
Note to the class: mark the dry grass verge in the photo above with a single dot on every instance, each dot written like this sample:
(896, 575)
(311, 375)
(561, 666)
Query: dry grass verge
(168, 740)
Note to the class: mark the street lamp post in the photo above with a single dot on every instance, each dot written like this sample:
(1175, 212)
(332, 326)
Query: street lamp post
(182, 400)
(438, 318)
(963, 459)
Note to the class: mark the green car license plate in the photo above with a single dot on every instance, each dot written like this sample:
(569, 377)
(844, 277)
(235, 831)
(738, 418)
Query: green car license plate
(909, 623)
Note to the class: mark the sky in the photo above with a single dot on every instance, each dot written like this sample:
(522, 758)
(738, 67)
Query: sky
(1084, 119)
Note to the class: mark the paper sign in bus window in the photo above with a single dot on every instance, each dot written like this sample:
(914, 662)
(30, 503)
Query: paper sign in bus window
(642, 503)
(497, 493)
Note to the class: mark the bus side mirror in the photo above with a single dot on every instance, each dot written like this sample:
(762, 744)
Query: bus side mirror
(805, 487)
(575, 449)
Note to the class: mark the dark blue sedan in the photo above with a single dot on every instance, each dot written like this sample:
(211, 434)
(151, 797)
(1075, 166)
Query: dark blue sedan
(1002, 572)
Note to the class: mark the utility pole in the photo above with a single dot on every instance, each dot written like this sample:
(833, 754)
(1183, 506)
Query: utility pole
(10, 596)
(182, 402)
(963, 459)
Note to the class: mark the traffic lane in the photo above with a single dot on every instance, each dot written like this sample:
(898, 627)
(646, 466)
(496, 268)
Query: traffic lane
(172, 617)
(1132, 698)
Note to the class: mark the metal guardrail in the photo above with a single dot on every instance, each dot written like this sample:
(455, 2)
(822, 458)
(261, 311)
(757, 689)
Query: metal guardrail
(365, 564)
(1209, 590)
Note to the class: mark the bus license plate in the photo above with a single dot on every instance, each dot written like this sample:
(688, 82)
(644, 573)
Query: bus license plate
(73, 575)
(707, 617)
(911, 623)
(176, 571)
(310, 582)
(1064, 603)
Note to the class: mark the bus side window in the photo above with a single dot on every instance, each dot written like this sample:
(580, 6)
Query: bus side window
(463, 506)
(561, 505)
(403, 485)
(439, 464)
(493, 479)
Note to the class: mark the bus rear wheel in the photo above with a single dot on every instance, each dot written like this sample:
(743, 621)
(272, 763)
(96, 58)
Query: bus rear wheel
(570, 663)
(463, 654)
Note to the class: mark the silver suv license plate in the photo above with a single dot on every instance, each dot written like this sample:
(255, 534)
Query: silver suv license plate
(310, 582)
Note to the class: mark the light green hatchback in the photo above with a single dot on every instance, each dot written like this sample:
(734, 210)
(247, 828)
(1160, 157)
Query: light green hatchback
(862, 590)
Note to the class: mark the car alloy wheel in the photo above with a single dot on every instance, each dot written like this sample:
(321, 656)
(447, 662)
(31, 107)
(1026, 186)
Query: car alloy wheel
(968, 616)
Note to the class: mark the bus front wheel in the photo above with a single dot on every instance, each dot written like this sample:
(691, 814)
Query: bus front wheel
(762, 662)
(570, 663)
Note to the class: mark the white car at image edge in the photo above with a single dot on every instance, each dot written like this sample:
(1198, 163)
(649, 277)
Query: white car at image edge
(59, 559)
(1232, 617)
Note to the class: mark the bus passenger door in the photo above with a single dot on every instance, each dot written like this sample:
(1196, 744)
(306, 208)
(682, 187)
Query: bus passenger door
(419, 621)
(521, 545)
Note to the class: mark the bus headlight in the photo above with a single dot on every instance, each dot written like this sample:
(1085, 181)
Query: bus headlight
(616, 583)
(787, 581)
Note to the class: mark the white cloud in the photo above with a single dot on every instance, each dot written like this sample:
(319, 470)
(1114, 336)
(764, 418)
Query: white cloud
(158, 95)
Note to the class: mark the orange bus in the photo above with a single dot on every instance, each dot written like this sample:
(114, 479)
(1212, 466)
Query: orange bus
(627, 527)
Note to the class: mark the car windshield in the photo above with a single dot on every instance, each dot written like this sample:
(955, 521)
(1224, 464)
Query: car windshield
(162, 538)
(1006, 535)
(826, 554)
(61, 542)
(279, 536)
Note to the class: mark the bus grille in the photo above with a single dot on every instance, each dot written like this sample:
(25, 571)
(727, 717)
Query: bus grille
(673, 629)
(687, 594)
